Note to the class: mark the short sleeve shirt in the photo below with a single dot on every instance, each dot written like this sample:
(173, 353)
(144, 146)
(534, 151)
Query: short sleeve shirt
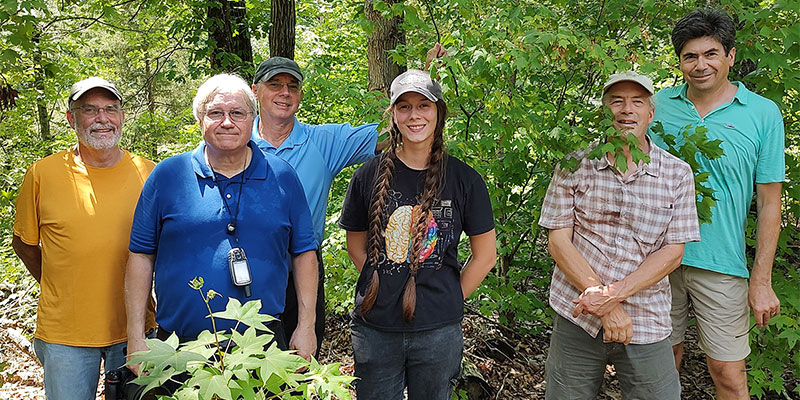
(182, 218)
(318, 153)
(463, 206)
(617, 223)
(82, 216)
(752, 134)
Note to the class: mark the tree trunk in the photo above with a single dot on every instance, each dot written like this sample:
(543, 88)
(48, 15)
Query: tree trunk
(39, 85)
(387, 35)
(281, 29)
(229, 38)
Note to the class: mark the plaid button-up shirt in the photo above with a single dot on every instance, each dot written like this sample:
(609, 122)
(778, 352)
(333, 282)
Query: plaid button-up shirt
(617, 223)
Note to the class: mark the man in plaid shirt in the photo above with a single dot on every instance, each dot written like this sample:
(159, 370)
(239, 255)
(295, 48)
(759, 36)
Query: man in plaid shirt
(616, 232)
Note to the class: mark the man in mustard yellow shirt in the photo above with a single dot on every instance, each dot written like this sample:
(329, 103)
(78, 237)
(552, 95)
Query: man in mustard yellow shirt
(71, 230)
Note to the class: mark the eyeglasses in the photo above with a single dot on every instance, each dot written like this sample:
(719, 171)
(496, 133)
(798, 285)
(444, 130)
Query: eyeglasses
(235, 115)
(293, 87)
(91, 111)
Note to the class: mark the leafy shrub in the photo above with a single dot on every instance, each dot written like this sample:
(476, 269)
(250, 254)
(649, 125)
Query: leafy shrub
(235, 365)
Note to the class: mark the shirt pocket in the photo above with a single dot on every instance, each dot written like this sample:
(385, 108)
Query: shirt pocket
(649, 222)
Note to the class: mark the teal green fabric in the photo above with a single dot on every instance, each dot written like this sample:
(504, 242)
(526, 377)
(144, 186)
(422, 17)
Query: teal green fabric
(751, 130)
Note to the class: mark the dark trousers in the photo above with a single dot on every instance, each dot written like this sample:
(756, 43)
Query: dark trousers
(425, 363)
(289, 317)
(576, 362)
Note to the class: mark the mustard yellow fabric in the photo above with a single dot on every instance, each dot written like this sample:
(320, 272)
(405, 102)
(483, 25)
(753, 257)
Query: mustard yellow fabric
(82, 217)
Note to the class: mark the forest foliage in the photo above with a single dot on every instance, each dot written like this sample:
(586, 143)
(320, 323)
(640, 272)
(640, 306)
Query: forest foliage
(522, 82)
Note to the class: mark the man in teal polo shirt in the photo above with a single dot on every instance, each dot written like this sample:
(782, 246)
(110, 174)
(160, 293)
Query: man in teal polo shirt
(714, 274)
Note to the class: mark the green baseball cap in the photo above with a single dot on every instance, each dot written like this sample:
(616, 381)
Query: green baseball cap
(277, 65)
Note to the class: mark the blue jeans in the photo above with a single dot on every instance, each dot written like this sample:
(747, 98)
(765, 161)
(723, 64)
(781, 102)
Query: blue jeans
(427, 362)
(576, 363)
(71, 372)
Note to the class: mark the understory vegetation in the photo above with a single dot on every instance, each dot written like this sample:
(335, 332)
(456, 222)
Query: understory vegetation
(522, 82)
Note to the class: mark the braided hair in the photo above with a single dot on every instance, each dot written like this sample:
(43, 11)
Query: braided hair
(434, 179)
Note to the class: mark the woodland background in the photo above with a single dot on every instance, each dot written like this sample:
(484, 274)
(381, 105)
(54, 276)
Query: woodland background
(522, 81)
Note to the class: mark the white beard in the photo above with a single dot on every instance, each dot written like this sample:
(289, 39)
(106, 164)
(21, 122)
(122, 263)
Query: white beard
(97, 142)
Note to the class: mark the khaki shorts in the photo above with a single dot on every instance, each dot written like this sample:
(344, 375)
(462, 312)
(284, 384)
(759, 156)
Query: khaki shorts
(720, 306)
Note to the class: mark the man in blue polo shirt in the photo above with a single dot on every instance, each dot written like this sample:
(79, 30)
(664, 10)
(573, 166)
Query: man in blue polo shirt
(317, 152)
(714, 274)
(228, 213)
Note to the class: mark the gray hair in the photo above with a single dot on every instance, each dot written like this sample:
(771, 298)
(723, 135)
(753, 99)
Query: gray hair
(222, 82)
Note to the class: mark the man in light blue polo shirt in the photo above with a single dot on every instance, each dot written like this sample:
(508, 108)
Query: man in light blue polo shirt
(714, 274)
(317, 153)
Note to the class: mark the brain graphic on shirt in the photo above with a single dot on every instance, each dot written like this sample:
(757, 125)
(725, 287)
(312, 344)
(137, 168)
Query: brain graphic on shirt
(398, 234)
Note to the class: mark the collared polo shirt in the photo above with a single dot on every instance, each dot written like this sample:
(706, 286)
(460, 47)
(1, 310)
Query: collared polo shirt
(617, 223)
(318, 153)
(182, 218)
(751, 130)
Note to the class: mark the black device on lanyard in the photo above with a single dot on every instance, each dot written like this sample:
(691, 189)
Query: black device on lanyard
(237, 259)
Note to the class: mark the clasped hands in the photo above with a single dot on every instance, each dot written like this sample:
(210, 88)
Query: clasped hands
(601, 301)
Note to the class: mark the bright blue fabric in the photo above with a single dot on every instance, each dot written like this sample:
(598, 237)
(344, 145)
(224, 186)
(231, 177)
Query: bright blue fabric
(751, 130)
(318, 153)
(181, 218)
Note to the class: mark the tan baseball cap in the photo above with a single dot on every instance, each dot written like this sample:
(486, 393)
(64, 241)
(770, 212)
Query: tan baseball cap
(81, 87)
(630, 76)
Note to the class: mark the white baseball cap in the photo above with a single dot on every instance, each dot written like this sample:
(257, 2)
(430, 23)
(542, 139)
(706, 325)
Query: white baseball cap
(81, 87)
(630, 76)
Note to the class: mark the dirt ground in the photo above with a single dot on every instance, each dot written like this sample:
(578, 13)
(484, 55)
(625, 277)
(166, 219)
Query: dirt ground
(499, 364)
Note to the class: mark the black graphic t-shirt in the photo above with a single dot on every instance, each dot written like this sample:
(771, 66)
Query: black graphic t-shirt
(463, 205)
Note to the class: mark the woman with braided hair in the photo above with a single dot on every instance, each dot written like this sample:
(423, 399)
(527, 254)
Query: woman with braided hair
(404, 214)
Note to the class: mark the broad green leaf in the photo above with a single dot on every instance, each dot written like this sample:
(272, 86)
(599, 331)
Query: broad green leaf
(164, 354)
(326, 382)
(212, 384)
(247, 313)
(9, 56)
(10, 6)
(156, 378)
(251, 343)
(281, 364)
(187, 393)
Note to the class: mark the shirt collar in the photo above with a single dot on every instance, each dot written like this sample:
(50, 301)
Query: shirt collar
(742, 93)
(654, 166)
(297, 137)
(256, 170)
